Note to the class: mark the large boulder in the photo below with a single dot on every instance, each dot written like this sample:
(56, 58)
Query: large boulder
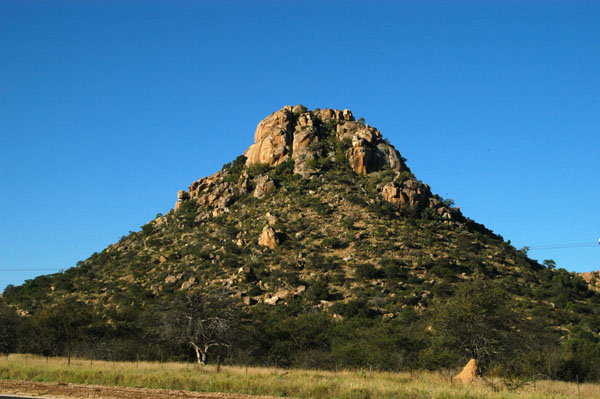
(360, 156)
(182, 195)
(268, 237)
(272, 220)
(272, 139)
(412, 192)
(369, 151)
(264, 186)
(305, 134)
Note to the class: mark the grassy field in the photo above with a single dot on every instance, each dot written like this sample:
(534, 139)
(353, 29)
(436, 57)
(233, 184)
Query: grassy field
(278, 382)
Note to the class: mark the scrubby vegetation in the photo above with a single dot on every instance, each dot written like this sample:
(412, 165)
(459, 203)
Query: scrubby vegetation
(338, 384)
(354, 281)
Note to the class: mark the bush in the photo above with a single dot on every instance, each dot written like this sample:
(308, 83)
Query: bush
(353, 308)
(235, 169)
(383, 209)
(393, 269)
(312, 163)
(318, 291)
(333, 242)
(355, 199)
(258, 169)
(368, 271)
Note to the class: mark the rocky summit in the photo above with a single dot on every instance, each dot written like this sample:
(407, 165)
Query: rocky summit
(301, 136)
(320, 248)
(292, 132)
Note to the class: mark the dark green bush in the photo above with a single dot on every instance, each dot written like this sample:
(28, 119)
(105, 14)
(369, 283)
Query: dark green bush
(368, 271)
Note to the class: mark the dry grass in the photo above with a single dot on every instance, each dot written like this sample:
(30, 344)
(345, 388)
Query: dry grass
(278, 382)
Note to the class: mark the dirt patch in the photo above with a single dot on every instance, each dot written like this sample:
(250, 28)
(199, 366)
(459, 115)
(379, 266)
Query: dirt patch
(63, 390)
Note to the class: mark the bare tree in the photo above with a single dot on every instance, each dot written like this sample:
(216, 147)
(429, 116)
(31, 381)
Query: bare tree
(201, 321)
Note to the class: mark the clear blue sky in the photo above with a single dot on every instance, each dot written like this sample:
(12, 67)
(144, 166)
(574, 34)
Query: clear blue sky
(107, 108)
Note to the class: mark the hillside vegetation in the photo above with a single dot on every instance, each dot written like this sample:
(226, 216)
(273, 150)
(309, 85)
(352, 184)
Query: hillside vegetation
(317, 248)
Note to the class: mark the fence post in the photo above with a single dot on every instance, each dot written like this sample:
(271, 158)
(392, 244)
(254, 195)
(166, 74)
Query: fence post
(218, 363)
(68, 358)
(578, 392)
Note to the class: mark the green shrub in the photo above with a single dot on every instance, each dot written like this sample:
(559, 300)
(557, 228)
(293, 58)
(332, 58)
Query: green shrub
(235, 169)
(258, 169)
(368, 271)
(333, 242)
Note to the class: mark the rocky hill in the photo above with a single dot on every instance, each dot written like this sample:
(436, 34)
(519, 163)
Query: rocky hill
(325, 244)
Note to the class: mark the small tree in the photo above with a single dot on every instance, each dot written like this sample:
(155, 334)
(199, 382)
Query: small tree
(201, 321)
(550, 264)
(9, 322)
(479, 322)
(57, 328)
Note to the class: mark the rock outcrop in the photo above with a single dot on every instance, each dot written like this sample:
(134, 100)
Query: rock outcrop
(410, 193)
(264, 186)
(415, 194)
(292, 131)
(273, 138)
(268, 237)
(271, 219)
(182, 195)
(592, 279)
(212, 192)
(311, 138)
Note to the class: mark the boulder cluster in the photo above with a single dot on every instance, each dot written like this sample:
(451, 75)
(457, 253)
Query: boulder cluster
(212, 192)
(292, 131)
(416, 194)
(217, 194)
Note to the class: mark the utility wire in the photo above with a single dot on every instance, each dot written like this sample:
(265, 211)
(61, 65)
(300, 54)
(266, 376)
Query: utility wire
(560, 246)
(29, 270)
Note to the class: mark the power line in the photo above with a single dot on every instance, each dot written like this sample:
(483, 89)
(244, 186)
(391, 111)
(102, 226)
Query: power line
(29, 270)
(561, 246)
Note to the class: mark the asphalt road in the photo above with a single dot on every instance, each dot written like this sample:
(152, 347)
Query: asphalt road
(23, 397)
(20, 397)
